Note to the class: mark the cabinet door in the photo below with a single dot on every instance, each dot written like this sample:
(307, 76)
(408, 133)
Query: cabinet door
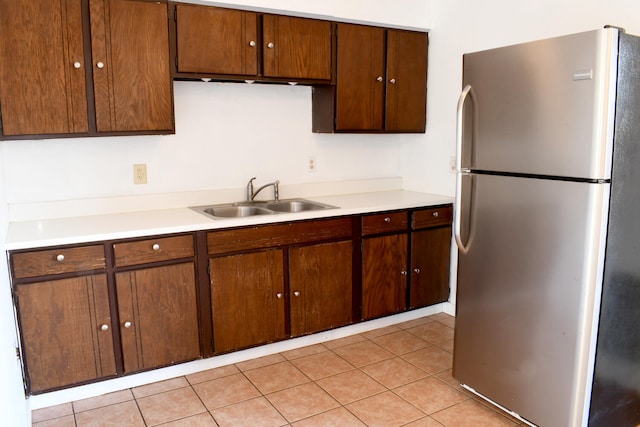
(320, 283)
(158, 316)
(247, 297)
(360, 78)
(216, 40)
(384, 275)
(430, 255)
(66, 331)
(296, 48)
(406, 99)
(42, 69)
(131, 74)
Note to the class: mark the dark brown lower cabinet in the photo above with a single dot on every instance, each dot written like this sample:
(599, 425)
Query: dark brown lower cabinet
(158, 313)
(247, 298)
(430, 255)
(265, 283)
(384, 275)
(66, 331)
(320, 286)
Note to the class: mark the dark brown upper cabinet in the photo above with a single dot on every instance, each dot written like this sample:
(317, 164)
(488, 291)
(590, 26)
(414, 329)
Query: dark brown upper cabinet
(230, 44)
(84, 68)
(381, 82)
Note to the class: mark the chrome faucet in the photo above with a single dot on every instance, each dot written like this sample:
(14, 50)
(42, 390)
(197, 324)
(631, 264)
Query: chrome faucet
(252, 194)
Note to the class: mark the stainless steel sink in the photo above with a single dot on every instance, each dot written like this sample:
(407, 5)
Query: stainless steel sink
(246, 209)
(231, 211)
(296, 205)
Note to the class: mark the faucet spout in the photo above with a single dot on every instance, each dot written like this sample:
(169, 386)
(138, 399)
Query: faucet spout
(252, 194)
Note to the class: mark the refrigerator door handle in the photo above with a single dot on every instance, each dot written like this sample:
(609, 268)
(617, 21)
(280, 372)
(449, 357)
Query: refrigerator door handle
(466, 92)
(457, 213)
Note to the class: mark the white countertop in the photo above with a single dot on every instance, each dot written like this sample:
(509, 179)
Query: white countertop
(63, 231)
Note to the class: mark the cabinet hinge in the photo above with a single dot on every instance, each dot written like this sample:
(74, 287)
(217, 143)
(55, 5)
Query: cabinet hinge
(18, 353)
(175, 14)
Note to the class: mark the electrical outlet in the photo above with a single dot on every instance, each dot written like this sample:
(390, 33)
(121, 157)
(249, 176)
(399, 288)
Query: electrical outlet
(140, 173)
(452, 164)
(312, 165)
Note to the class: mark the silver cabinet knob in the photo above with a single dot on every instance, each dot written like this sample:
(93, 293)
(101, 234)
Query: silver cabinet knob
(127, 324)
(155, 247)
(392, 81)
(435, 214)
(416, 270)
(387, 219)
(379, 78)
(270, 45)
(77, 65)
(104, 327)
(403, 272)
(60, 258)
(100, 64)
(296, 293)
(252, 43)
(279, 295)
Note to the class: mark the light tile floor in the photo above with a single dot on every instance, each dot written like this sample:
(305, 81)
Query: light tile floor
(394, 376)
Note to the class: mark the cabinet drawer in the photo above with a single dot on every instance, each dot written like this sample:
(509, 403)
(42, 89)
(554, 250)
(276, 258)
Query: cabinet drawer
(243, 239)
(442, 215)
(153, 250)
(382, 223)
(57, 261)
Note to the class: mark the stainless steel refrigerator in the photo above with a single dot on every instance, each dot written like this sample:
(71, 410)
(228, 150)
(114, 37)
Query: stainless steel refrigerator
(547, 222)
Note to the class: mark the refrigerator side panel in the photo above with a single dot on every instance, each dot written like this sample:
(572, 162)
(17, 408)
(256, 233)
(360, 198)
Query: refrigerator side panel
(524, 291)
(616, 386)
(544, 107)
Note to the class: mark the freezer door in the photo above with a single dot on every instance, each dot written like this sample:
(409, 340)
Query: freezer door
(527, 287)
(543, 108)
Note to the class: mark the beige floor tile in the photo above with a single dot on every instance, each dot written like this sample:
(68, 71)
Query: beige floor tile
(350, 386)
(304, 351)
(400, 342)
(446, 346)
(415, 322)
(51, 412)
(225, 391)
(430, 359)
(251, 413)
(64, 421)
(363, 353)
(380, 331)
(104, 400)
(433, 332)
(424, 422)
(276, 377)
(341, 342)
(471, 414)
(448, 378)
(385, 410)
(260, 362)
(170, 406)
(394, 372)
(212, 374)
(444, 318)
(201, 420)
(430, 395)
(118, 415)
(338, 417)
(322, 365)
(159, 387)
(302, 401)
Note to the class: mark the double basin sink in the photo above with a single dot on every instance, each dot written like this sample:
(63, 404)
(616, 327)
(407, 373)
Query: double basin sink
(253, 208)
